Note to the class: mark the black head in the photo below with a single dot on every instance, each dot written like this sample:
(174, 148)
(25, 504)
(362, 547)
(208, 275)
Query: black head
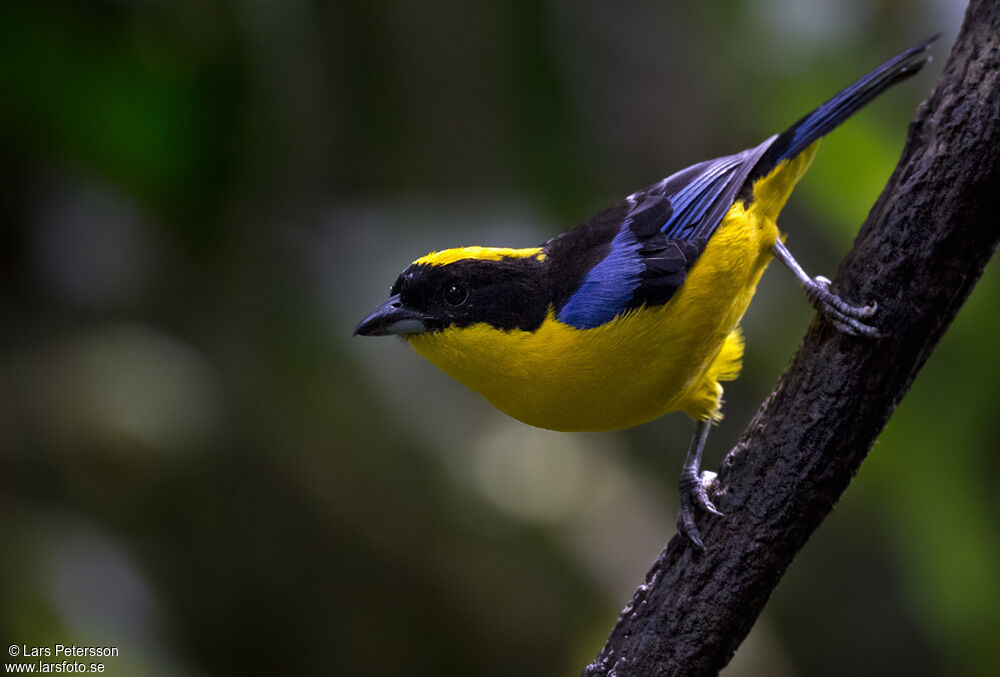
(453, 289)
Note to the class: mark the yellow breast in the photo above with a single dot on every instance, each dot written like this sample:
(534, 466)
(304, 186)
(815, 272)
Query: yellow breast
(638, 366)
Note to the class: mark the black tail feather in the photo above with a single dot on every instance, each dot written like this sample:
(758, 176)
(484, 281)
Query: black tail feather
(825, 118)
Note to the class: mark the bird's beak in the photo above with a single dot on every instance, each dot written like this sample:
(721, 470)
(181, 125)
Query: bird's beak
(392, 317)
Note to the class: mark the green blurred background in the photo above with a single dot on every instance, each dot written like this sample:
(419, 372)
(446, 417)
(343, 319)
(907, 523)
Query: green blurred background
(199, 464)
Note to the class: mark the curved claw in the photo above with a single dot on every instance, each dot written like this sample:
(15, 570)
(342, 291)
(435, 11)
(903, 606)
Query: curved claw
(852, 327)
(845, 317)
(701, 492)
(685, 522)
(694, 495)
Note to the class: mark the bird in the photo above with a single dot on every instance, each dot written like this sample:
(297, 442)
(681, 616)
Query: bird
(635, 312)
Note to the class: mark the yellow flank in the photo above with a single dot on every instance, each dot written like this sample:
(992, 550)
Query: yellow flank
(446, 256)
(643, 364)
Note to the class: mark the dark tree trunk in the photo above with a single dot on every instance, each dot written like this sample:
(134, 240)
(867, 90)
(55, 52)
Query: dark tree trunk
(921, 250)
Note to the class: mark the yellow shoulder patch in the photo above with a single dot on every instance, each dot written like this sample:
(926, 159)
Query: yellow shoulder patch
(446, 256)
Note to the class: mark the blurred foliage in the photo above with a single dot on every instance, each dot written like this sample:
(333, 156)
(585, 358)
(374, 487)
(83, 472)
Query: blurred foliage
(200, 467)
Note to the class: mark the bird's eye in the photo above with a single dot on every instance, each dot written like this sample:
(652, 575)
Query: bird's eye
(455, 293)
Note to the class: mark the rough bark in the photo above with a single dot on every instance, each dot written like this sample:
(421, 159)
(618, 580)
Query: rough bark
(919, 253)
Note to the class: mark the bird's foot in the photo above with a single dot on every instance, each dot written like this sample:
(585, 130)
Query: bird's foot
(844, 316)
(694, 495)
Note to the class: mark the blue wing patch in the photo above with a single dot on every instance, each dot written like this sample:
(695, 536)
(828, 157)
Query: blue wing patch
(663, 231)
(608, 286)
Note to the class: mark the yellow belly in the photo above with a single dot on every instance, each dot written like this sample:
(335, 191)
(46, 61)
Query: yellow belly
(638, 366)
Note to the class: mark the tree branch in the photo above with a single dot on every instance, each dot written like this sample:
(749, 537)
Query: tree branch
(919, 253)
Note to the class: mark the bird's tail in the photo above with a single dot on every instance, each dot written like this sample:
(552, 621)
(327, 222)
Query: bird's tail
(822, 120)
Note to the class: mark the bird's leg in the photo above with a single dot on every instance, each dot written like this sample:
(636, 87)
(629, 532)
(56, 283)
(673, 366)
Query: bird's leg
(845, 317)
(694, 485)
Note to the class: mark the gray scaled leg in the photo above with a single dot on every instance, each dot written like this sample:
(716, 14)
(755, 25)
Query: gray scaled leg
(845, 317)
(693, 486)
